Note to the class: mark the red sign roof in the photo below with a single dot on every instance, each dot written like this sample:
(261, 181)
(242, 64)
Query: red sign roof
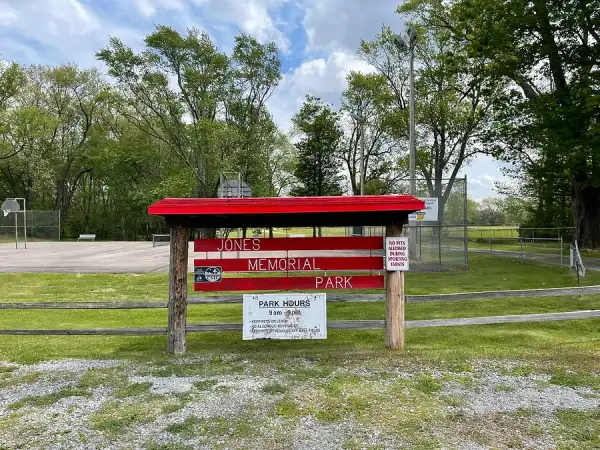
(287, 211)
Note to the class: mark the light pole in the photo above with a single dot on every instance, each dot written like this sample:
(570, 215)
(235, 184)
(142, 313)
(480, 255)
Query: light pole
(360, 119)
(401, 45)
(361, 124)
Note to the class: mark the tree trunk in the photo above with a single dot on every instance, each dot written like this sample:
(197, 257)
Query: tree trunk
(178, 267)
(586, 215)
(208, 233)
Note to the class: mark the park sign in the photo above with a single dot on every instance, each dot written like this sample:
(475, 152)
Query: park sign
(427, 214)
(284, 316)
(396, 254)
(295, 255)
(279, 270)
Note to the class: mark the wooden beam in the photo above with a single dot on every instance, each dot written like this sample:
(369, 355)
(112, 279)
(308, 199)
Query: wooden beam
(528, 318)
(85, 305)
(89, 332)
(333, 325)
(178, 272)
(331, 298)
(394, 304)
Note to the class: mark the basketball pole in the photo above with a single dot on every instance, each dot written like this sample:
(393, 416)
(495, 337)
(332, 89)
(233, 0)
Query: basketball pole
(25, 221)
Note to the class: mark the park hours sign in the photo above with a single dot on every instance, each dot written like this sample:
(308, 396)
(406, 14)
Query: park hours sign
(284, 316)
(396, 254)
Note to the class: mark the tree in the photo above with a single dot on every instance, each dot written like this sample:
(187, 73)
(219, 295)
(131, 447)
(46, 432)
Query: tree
(367, 102)
(550, 52)
(12, 79)
(491, 212)
(318, 167)
(517, 210)
(186, 114)
(451, 114)
(455, 209)
(280, 156)
(208, 109)
(51, 133)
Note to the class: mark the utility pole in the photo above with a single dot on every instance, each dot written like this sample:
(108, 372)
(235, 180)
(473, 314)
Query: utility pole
(360, 120)
(412, 32)
(362, 153)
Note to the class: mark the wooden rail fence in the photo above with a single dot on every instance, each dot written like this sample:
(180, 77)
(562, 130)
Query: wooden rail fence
(335, 325)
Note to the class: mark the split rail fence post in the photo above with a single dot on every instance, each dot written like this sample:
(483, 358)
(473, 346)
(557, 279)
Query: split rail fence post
(394, 300)
(178, 268)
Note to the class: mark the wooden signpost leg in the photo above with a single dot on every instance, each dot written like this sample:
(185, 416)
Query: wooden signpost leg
(394, 308)
(178, 268)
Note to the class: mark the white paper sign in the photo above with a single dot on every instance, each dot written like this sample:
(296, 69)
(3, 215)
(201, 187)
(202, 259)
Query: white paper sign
(429, 214)
(285, 316)
(396, 253)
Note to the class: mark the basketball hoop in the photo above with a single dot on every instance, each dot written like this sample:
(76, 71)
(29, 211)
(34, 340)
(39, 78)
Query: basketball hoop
(12, 205)
(9, 205)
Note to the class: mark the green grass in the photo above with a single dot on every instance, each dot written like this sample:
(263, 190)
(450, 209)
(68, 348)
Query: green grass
(205, 385)
(50, 399)
(573, 380)
(170, 446)
(578, 429)
(214, 426)
(485, 273)
(574, 339)
(274, 388)
(427, 384)
(94, 378)
(116, 417)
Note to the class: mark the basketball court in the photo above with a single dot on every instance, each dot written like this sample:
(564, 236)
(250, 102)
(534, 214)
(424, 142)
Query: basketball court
(101, 257)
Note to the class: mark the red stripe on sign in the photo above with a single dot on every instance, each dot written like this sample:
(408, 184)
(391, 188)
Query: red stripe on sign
(294, 264)
(288, 283)
(283, 244)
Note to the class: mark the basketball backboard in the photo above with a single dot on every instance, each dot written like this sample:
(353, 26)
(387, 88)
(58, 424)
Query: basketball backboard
(10, 205)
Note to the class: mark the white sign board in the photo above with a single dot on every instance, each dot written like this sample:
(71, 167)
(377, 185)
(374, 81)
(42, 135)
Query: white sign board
(285, 316)
(429, 214)
(396, 253)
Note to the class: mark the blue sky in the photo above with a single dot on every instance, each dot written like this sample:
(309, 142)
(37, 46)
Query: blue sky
(318, 41)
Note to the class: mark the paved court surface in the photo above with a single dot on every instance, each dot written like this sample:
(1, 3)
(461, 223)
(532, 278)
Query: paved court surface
(108, 257)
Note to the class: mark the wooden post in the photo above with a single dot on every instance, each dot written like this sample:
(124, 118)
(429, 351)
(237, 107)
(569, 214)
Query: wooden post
(178, 269)
(394, 304)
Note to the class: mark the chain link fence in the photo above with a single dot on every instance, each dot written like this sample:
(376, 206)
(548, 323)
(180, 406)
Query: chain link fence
(439, 242)
(39, 225)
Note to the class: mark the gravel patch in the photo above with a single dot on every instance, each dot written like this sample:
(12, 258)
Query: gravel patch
(69, 365)
(503, 393)
(38, 388)
(167, 385)
(234, 412)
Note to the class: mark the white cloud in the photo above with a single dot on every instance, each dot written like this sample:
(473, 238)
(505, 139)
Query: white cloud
(482, 174)
(341, 24)
(324, 78)
(251, 16)
(149, 8)
(57, 31)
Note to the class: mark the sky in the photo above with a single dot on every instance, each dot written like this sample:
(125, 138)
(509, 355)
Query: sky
(318, 40)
